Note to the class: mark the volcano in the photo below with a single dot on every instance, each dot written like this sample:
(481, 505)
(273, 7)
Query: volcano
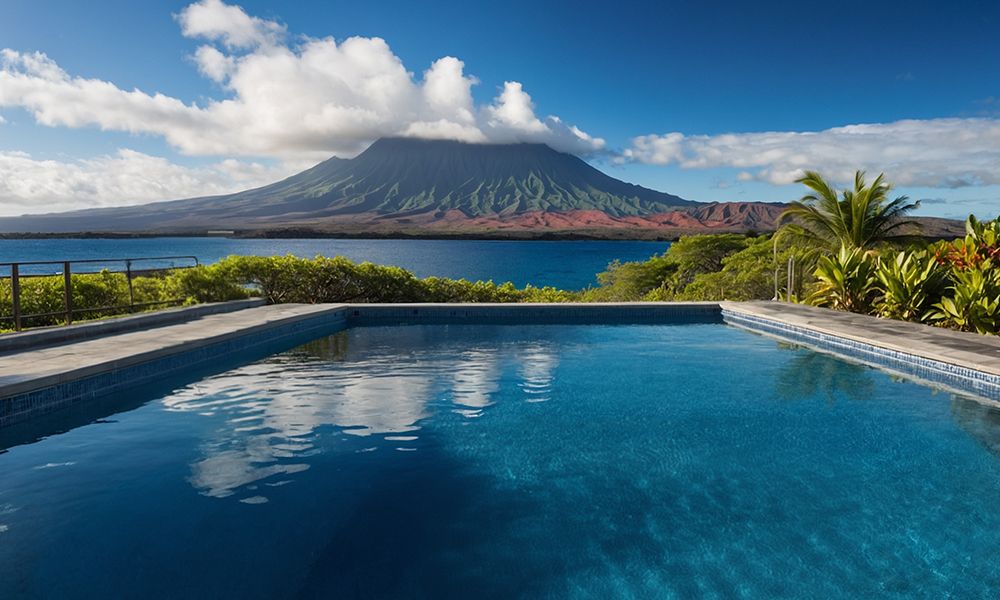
(406, 186)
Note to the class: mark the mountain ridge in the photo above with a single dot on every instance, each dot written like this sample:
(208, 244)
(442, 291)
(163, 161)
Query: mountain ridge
(417, 187)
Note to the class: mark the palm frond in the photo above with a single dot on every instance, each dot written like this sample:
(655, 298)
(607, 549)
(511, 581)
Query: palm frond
(856, 218)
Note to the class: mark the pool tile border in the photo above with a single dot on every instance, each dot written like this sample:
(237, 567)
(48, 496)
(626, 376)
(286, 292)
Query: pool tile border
(47, 393)
(957, 377)
(548, 313)
(20, 407)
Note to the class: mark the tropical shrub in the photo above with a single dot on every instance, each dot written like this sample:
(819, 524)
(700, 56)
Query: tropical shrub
(630, 281)
(980, 244)
(750, 274)
(909, 283)
(974, 304)
(845, 281)
(665, 277)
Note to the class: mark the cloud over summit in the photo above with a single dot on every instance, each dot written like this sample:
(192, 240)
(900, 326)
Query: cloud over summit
(303, 100)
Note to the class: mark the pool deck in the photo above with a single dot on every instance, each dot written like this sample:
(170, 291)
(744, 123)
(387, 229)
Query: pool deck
(25, 372)
(50, 336)
(969, 350)
(40, 379)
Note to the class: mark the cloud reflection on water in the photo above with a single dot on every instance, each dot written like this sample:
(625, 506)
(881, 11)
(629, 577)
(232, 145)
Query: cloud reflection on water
(271, 411)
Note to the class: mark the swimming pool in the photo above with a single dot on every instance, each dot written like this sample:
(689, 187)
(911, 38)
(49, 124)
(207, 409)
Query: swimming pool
(691, 460)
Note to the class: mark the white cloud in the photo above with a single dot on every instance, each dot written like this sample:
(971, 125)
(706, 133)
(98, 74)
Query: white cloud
(30, 185)
(214, 64)
(514, 111)
(229, 24)
(945, 153)
(448, 91)
(302, 100)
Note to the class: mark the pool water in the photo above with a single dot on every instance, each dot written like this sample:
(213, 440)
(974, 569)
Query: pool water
(512, 461)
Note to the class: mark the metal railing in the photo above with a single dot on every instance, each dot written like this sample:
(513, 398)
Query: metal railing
(17, 273)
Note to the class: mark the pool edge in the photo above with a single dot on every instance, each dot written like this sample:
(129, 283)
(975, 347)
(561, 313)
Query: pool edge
(952, 374)
(260, 326)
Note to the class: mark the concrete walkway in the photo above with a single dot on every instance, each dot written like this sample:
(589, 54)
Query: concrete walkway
(51, 336)
(970, 350)
(35, 369)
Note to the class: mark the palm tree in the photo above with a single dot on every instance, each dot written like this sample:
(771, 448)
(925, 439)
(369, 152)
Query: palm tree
(858, 218)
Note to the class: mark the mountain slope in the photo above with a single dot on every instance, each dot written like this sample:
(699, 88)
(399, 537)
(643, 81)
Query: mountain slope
(409, 176)
(411, 187)
(394, 178)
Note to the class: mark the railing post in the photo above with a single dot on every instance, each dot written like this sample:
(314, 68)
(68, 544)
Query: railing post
(68, 293)
(777, 268)
(131, 292)
(791, 278)
(15, 291)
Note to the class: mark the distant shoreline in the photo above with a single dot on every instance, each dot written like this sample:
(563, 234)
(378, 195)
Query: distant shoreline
(933, 228)
(612, 236)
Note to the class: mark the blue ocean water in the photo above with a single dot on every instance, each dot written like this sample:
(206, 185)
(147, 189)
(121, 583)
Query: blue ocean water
(564, 264)
(511, 461)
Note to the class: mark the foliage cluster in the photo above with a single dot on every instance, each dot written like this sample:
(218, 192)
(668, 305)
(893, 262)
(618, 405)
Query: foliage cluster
(337, 279)
(701, 267)
(953, 284)
(279, 279)
(93, 294)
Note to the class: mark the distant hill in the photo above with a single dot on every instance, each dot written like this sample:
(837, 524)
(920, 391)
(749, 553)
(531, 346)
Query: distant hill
(404, 186)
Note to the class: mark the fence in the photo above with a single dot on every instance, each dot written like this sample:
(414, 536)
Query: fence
(21, 270)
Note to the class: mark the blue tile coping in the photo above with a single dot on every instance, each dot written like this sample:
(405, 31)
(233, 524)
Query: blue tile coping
(87, 369)
(913, 350)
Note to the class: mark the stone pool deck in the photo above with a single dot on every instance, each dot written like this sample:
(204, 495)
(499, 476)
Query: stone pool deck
(969, 350)
(40, 379)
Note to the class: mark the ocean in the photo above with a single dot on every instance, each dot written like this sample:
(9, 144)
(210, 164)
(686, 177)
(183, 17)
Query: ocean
(569, 265)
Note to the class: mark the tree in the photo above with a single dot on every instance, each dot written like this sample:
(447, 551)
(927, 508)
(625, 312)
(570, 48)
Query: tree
(859, 218)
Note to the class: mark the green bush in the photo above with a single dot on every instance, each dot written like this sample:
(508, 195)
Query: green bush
(845, 281)
(668, 276)
(291, 279)
(630, 281)
(749, 274)
(974, 304)
(92, 294)
(909, 283)
(279, 279)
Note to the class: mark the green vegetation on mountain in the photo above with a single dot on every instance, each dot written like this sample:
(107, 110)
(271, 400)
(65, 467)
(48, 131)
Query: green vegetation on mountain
(411, 181)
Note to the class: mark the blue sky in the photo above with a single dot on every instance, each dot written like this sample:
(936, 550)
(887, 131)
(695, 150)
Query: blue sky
(707, 100)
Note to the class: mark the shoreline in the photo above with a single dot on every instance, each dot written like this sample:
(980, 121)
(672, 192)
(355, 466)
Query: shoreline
(359, 235)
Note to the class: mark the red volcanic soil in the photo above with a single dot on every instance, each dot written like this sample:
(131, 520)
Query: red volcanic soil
(722, 217)
(736, 216)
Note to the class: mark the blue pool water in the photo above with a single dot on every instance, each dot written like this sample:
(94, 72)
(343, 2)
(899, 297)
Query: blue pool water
(568, 265)
(511, 461)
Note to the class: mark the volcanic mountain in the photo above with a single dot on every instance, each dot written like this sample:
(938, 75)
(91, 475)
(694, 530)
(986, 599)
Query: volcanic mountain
(404, 186)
